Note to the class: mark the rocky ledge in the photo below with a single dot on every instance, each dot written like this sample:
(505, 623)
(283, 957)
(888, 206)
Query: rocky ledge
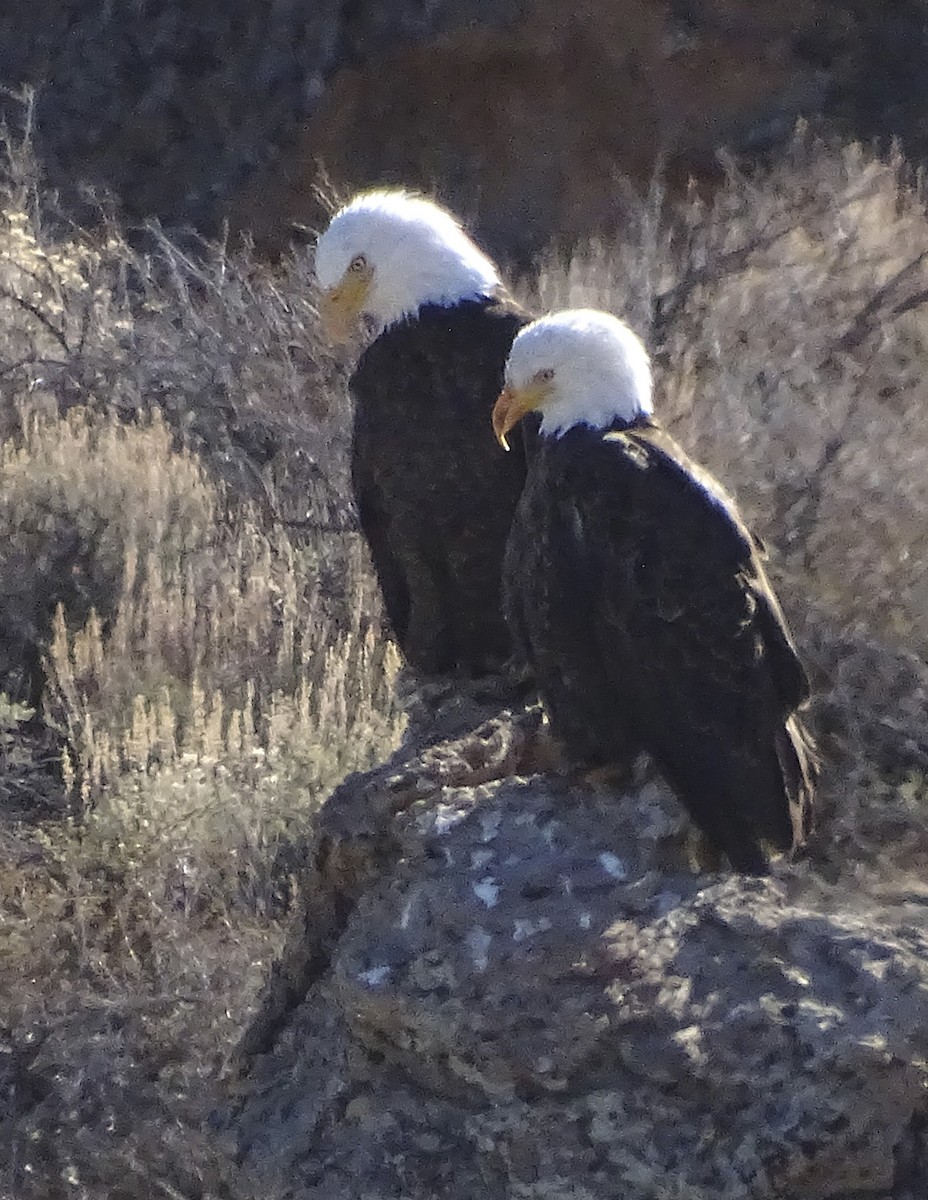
(509, 982)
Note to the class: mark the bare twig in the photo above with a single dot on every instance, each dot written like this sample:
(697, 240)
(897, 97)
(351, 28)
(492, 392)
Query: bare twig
(39, 316)
(863, 323)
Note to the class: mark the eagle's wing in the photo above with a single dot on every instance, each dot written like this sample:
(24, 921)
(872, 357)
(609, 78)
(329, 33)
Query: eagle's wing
(792, 680)
(549, 607)
(713, 513)
(374, 519)
(699, 657)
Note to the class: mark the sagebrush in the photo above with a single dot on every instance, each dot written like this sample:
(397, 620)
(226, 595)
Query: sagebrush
(195, 650)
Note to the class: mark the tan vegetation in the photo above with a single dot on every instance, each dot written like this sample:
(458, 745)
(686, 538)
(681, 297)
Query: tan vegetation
(184, 595)
(790, 322)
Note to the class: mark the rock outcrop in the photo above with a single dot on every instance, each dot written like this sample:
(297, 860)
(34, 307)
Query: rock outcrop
(509, 982)
(522, 115)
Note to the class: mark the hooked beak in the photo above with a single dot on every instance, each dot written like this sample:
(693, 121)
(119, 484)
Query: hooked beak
(341, 307)
(511, 407)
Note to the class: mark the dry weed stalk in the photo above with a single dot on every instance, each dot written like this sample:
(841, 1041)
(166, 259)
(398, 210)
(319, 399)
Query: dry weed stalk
(790, 329)
(177, 548)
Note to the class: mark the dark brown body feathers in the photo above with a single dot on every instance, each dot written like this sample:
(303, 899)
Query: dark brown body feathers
(640, 598)
(435, 495)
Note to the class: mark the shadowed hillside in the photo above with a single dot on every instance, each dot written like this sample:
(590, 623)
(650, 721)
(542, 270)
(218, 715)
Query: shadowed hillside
(523, 114)
(194, 654)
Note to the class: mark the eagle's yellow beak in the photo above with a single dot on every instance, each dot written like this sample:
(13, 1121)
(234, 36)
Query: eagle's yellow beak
(341, 306)
(511, 407)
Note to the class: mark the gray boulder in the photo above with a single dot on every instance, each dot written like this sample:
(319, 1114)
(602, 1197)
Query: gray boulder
(508, 982)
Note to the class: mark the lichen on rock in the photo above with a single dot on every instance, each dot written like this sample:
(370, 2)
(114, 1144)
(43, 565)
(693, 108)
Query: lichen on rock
(508, 981)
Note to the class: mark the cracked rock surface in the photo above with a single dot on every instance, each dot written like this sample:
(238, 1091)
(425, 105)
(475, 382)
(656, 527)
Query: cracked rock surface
(507, 982)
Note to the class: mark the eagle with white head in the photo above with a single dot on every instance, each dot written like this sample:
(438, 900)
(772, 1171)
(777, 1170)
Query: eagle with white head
(434, 496)
(388, 253)
(640, 598)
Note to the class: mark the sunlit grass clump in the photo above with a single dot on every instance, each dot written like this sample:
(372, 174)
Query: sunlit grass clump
(193, 651)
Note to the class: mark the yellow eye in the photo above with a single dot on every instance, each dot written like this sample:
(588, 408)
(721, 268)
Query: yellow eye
(358, 264)
(545, 375)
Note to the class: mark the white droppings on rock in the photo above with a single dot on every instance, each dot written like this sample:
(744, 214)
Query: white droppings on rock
(523, 928)
(407, 911)
(613, 865)
(824, 1016)
(548, 832)
(676, 994)
(796, 976)
(478, 942)
(445, 819)
(375, 976)
(690, 1041)
(585, 920)
(878, 968)
(489, 825)
(480, 858)
(487, 891)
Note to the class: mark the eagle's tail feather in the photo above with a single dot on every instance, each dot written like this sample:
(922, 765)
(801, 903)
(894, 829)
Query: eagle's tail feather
(799, 765)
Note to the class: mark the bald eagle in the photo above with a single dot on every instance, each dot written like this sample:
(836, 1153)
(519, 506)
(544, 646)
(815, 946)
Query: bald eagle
(434, 495)
(640, 598)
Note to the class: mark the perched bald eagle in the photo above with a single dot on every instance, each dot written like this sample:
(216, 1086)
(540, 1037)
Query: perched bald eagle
(434, 495)
(639, 596)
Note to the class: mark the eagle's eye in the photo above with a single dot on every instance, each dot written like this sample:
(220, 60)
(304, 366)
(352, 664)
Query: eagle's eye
(357, 264)
(545, 375)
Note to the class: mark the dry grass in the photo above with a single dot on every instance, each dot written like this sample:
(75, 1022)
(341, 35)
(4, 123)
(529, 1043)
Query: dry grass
(790, 325)
(188, 602)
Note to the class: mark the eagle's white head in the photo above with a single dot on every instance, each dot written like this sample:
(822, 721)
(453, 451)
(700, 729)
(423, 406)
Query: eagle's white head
(387, 253)
(578, 367)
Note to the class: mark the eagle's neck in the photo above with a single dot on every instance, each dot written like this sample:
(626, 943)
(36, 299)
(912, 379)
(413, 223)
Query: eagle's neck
(583, 428)
(602, 417)
(443, 280)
